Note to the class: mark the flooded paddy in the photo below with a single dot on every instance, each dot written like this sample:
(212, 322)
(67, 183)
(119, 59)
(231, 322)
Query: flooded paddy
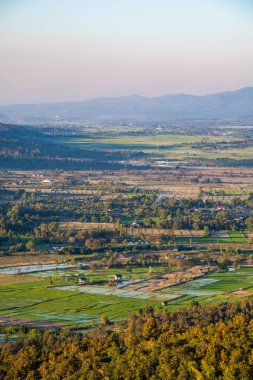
(101, 290)
(37, 268)
(82, 304)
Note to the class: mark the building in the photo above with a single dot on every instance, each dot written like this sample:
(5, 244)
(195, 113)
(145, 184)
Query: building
(46, 182)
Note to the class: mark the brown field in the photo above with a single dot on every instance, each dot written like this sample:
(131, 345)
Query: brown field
(240, 293)
(171, 183)
(156, 232)
(30, 259)
(9, 279)
(168, 280)
(130, 231)
(86, 226)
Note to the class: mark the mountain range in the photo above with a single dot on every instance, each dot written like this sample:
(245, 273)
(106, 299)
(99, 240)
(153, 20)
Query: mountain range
(231, 105)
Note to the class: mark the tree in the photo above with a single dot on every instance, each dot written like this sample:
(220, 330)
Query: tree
(105, 320)
(30, 245)
(206, 231)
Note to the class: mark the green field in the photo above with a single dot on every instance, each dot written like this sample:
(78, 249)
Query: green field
(171, 146)
(153, 140)
(234, 237)
(212, 288)
(100, 274)
(36, 301)
(170, 143)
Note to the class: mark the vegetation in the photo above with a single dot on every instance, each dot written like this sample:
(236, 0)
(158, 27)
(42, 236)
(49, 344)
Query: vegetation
(196, 343)
(22, 148)
(111, 235)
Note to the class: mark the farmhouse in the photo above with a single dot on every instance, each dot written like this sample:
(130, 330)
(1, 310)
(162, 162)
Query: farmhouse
(46, 182)
(220, 208)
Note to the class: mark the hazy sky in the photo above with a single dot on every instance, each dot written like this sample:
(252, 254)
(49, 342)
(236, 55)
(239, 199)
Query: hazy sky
(53, 50)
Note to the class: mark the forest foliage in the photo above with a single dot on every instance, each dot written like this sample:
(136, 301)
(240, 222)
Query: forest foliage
(201, 342)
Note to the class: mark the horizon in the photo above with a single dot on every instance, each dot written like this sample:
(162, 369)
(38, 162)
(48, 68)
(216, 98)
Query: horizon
(53, 51)
(127, 96)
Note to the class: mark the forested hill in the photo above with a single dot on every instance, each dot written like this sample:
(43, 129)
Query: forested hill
(25, 148)
(198, 343)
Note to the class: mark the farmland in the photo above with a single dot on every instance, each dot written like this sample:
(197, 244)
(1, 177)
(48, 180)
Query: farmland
(161, 222)
(170, 146)
(85, 305)
(37, 303)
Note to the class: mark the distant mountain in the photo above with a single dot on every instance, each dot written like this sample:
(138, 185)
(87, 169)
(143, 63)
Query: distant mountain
(180, 107)
(3, 118)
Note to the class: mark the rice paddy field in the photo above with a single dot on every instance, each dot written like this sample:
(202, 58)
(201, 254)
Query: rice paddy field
(35, 301)
(72, 304)
(217, 286)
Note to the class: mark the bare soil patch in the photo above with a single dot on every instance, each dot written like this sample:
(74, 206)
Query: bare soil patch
(240, 293)
(8, 261)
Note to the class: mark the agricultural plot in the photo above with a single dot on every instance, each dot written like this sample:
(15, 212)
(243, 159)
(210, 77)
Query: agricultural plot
(84, 226)
(24, 269)
(140, 141)
(214, 287)
(118, 292)
(168, 146)
(70, 304)
(37, 302)
(229, 237)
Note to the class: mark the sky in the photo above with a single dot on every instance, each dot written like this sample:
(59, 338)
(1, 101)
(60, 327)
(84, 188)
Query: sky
(58, 50)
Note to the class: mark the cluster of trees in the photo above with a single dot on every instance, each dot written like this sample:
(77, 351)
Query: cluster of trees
(231, 162)
(233, 144)
(208, 342)
(148, 211)
(28, 213)
(29, 220)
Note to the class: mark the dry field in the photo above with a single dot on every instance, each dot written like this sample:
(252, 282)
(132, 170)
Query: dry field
(240, 293)
(168, 280)
(10, 279)
(173, 183)
(156, 232)
(8, 261)
(131, 231)
(86, 226)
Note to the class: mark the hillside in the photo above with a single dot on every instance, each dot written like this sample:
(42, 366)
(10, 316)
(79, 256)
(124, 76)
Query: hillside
(26, 148)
